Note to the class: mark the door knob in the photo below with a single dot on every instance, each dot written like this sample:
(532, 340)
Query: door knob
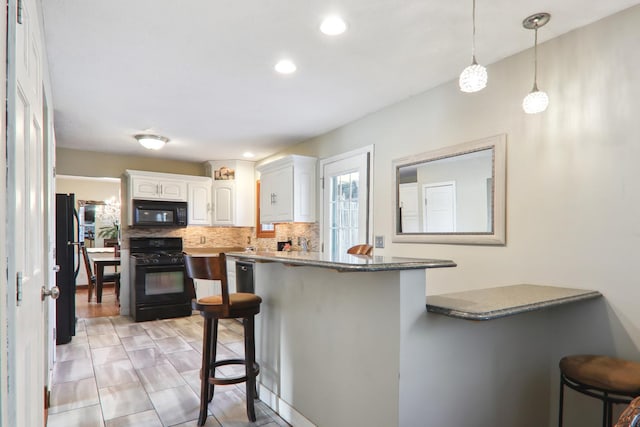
(54, 292)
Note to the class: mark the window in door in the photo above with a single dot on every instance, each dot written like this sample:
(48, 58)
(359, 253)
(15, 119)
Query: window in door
(346, 201)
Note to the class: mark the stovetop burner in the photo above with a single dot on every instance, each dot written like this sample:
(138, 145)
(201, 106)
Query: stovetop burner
(156, 250)
(158, 254)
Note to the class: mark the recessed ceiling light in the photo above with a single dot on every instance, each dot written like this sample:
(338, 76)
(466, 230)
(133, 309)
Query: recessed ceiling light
(247, 155)
(333, 26)
(285, 66)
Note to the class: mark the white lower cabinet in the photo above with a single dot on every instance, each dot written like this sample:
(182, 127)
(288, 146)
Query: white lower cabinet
(231, 276)
(206, 288)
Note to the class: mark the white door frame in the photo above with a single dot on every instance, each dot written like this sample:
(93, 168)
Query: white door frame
(368, 149)
(4, 387)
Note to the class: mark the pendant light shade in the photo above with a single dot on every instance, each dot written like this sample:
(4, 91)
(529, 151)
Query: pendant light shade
(536, 101)
(151, 142)
(474, 77)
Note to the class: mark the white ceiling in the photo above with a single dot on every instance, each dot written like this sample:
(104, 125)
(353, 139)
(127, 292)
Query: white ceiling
(200, 72)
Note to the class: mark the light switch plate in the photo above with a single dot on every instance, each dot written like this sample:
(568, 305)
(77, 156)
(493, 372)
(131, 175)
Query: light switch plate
(379, 241)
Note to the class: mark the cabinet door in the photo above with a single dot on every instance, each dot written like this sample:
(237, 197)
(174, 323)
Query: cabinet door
(276, 196)
(223, 194)
(173, 190)
(199, 203)
(144, 188)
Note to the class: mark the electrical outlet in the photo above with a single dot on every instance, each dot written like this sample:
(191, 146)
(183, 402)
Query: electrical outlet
(203, 240)
(379, 241)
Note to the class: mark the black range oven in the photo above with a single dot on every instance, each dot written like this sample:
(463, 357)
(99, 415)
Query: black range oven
(159, 287)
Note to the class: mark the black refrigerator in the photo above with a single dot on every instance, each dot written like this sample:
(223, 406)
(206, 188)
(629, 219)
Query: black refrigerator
(69, 235)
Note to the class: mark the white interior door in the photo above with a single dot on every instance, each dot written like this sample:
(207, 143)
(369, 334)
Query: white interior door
(26, 217)
(346, 201)
(439, 207)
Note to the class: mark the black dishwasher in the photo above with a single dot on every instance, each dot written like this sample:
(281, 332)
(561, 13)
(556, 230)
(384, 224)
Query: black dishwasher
(244, 277)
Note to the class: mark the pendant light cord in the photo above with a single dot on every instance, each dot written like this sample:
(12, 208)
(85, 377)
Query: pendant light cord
(473, 37)
(535, 60)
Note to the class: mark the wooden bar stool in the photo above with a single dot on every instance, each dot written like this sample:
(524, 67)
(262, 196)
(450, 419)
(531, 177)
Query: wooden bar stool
(224, 306)
(605, 378)
(361, 250)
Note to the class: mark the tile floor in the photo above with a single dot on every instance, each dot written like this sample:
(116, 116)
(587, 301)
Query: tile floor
(118, 373)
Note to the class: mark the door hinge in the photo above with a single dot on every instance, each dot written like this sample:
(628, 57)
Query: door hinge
(19, 12)
(322, 183)
(18, 287)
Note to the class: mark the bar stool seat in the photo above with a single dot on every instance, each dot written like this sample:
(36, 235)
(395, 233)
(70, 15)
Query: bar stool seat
(224, 306)
(608, 379)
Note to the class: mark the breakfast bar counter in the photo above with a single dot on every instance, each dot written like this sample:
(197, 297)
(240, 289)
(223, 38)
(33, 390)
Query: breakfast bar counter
(334, 335)
(502, 301)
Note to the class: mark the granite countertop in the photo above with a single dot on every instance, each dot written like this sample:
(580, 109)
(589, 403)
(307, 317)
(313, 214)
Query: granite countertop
(493, 303)
(344, 262)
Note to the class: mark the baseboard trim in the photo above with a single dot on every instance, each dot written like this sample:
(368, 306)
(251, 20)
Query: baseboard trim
(282, 408)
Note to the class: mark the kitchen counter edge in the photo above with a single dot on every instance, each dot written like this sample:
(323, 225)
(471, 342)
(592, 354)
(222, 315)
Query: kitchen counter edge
(344, 262)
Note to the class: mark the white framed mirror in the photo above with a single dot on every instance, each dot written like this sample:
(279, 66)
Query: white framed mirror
(453, 195)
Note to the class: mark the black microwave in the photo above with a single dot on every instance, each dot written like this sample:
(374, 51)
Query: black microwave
(157, 213)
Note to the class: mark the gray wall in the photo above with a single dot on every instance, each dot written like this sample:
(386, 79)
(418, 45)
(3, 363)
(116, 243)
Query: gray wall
(573, 207)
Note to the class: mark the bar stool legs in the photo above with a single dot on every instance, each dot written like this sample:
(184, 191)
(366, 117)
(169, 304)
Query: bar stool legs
(209, 364)
(250, 365)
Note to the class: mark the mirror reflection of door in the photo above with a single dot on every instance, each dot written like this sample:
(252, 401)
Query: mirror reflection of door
(439, 201)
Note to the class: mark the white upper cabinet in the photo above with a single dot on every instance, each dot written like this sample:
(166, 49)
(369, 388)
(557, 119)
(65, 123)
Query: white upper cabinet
(233, 192)
(156, 186)
(288, 190)
(199, 200)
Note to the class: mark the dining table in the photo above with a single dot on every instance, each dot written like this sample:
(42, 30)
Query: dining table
(100, 261)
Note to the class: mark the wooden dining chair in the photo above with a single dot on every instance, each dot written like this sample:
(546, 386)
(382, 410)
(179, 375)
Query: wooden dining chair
(361, 250)
(91, 278)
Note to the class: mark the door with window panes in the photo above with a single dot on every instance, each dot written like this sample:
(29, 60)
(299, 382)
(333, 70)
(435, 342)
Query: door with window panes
(345, 201)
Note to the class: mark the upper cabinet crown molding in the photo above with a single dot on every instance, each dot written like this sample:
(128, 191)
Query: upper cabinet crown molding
(233, 192)
(288, 190)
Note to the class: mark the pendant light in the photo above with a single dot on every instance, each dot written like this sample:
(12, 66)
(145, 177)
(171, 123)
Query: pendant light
(474, 77)
(536, 101)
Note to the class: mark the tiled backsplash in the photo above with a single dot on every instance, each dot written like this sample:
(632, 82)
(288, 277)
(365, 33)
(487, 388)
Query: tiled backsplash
(192, 237)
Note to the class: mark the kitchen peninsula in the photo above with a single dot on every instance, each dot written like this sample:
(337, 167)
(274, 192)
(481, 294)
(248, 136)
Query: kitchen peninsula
(336, 337)
(347, 341)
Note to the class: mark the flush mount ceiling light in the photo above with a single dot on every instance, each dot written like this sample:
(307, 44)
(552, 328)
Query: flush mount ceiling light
(474, 77)
(536, 101)
(285, 66)
(333, 26)
(248, 155)
(151, 142)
